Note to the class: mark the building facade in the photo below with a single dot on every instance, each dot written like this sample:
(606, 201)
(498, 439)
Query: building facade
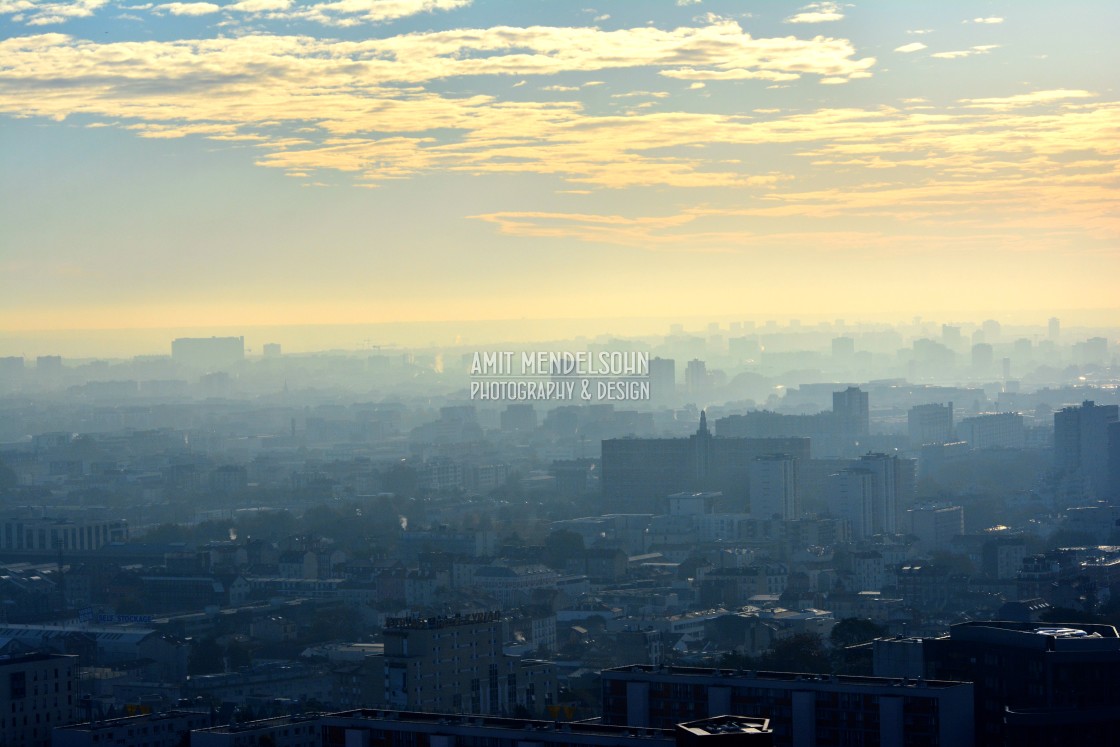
(1036, 684)
(456, 665)
(803, 709)
(37, 693)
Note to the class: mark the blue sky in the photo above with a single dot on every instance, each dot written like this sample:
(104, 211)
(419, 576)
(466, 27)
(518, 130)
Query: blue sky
(284, 162)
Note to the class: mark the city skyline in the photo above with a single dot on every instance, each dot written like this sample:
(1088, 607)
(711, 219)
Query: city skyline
(197, 165)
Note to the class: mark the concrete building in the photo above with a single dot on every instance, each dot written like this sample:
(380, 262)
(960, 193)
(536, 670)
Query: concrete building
(1081, 443)
(803, 709)
(639, 473)
(37, 692)
(851, 408)
(889, 490)
(284, 731)
(366, 728)
(163, 656)
(456, 665)
(929, 424)
(851, 499)
(50, 534)
(775, 492)
(1000, 430)
(1035, 684)
(836, 433)
(149, 729)
(935, 526)
(869, 494)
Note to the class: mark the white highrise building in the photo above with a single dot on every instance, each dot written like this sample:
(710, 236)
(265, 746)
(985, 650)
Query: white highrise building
(775, 493)
(852, 498)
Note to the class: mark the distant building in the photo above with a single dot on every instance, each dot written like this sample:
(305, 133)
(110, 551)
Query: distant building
(929, 424)
(456, 665)
(983, 357)
(851, 408)
(37, 692)
(1002, 557)
(775, 492)
(638, 473)
(936, 526)
(851, 499)
(208, 353)
(1081, 443)
(60, 534)
(843, 347)
(838, 432)
(48, 365)
(696, 379)
(663, 382)
(11, 372)
(870, 494)
(1002, 430)
(518, 417)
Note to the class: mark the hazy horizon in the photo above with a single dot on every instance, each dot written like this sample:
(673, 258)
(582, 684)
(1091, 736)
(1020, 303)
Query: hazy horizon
(358, 336)
(199, 166)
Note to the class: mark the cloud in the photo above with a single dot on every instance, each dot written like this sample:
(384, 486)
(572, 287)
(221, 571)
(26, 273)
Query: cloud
(189, 9)
(962, 53)
(353, 12)
(259, 6)
(683, 3)
(721, 50)
(35, 13)
(817, 13)
(911, 47)
(987, 20)
(364, 109)
(1035, 98)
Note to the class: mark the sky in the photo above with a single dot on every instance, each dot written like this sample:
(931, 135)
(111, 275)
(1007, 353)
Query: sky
(281, 162)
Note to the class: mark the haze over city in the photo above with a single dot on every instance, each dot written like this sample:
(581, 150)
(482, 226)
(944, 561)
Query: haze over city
(506, 372)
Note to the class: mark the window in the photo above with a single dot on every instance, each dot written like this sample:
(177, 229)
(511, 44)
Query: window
(17, 686)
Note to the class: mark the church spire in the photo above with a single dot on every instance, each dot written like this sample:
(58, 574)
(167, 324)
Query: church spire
(703, 423)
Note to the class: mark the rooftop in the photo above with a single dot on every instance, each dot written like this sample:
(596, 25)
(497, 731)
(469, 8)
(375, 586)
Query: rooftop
(746, 674)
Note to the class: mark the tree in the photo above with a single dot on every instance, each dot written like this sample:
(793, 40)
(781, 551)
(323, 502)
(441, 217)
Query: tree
(206, 657)
(799, 653)
(400, 479)
(852, 630)
(562, 546)
(954, 563)
(166, 534)
(1069, 615)
(239, 655)
(336, 624)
